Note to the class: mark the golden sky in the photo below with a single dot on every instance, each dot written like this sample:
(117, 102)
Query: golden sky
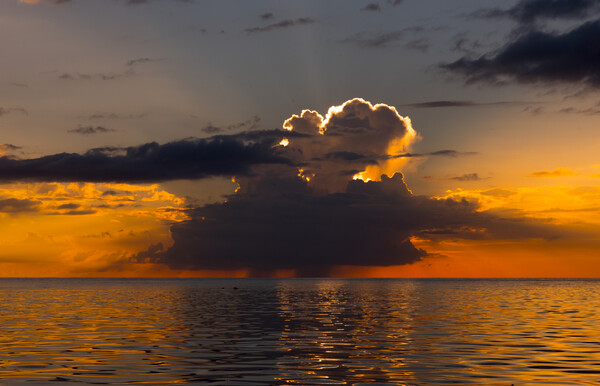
(412, 139)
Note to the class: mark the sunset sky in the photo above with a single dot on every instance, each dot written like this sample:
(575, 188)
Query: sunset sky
(390, 138)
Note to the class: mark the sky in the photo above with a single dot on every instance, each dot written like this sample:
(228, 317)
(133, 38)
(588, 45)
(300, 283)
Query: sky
(390, 138)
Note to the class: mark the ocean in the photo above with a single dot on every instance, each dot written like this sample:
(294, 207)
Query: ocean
(300, 331)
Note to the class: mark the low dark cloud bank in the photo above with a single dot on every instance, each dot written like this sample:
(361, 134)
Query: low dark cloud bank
(151, 162)
(539, 57)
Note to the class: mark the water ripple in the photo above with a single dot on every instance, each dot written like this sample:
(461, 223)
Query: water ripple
(263, 332)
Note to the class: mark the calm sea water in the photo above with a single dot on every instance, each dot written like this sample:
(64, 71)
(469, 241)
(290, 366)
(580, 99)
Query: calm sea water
(313, 331)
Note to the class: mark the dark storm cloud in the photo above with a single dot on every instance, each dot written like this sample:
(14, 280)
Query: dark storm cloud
(371, 7)
(286, 225)
(539, 57)
(185, 159)
(282, 24)
(16, 206)
(282, 219)
(89, 130)
(530, 11)
(8, 110)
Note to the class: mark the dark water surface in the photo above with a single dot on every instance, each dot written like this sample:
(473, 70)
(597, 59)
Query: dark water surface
(302, 331)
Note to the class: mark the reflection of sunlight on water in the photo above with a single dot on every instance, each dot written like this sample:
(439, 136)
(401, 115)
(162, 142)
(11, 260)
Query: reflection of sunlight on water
(317, 331)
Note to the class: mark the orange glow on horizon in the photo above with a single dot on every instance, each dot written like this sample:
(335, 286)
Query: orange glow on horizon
(83, 229)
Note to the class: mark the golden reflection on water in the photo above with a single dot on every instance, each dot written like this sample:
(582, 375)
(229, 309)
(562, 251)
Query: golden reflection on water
(297, 331)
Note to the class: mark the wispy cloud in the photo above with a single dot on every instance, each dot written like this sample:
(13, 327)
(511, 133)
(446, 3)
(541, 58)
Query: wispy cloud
(371, 7)
(8, 110)
(89, 130)
(105, 115)
(459, 103)
(379, 39)
(135, 62)
(267, 16)
(467, 177)
(282, 24)
(558, 172)
(98, 76)
(53, 2)
(247, 125)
